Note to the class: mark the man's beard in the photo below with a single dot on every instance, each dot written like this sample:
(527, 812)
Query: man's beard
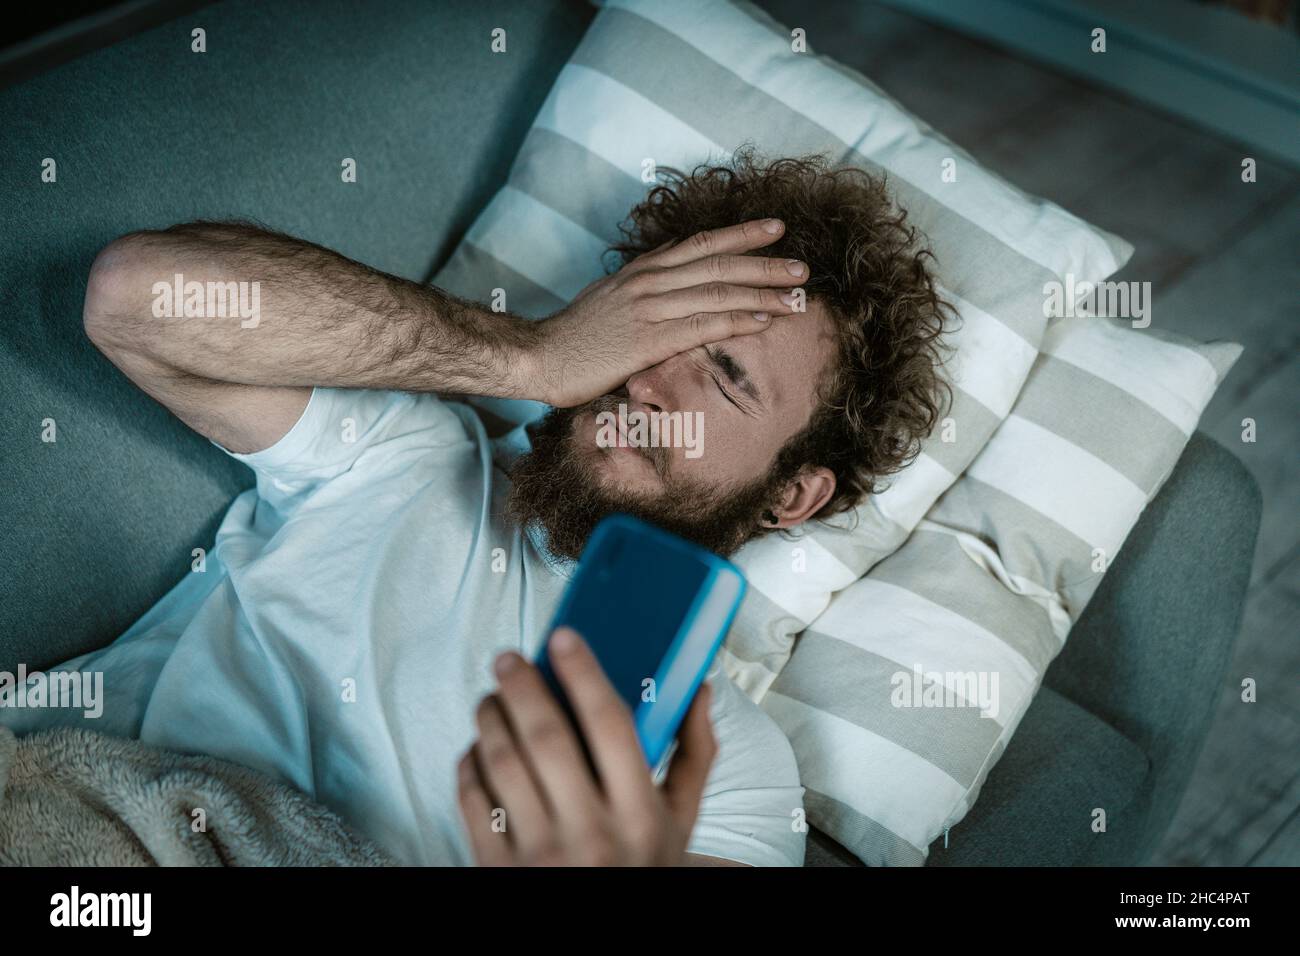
(557, 485)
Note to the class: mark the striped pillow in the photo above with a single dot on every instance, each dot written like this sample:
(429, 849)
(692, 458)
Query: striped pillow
(982, 595)
(679, 83)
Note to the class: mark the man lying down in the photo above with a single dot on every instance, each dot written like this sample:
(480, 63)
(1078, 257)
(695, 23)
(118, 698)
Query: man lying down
(368, 614)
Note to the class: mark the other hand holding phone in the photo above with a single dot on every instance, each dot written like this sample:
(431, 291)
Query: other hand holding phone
(528, 770)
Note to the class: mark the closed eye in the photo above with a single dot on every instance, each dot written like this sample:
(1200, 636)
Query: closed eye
(723, 365)
(725, 394)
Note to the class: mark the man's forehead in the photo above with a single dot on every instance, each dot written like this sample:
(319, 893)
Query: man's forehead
(789, 356)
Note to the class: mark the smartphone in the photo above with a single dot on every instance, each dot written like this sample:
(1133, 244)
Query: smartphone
(654, 609)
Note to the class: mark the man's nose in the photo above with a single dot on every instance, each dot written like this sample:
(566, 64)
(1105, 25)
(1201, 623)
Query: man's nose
(650, 390)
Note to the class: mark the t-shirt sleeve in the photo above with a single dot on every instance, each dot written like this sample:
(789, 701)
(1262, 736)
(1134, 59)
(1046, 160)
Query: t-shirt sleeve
(752, 806)
(341, 427)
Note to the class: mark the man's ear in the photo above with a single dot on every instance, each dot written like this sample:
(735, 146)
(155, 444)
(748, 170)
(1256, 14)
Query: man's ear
(806, 495)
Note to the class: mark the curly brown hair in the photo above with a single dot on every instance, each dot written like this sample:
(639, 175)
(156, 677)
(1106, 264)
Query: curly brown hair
(886, 392)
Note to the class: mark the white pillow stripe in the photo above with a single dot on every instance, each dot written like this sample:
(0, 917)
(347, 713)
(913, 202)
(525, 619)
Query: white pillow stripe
(947, 644)
(935, 563)
(1035, 466)
(780, 572)
(905, 500)
(561, 256)
(981, 343)
(753, 677)
(587, 106)
(870, 691)
(762, 60)
(1138, 364)
(1103, 419)
(912, 780)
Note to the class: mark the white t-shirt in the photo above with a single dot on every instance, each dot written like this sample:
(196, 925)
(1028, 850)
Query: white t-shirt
(343, 630)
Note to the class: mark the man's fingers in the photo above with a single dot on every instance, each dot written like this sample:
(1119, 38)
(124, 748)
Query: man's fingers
(730, 239)
(509, 780)
(682, 335)
(689, 772)
(491, 845)
(756, 271)
(604, 719)
(546, 739)
(723, 297)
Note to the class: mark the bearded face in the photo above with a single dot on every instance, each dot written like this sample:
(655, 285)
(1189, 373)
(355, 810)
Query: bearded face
(750, 400)
(572, 478)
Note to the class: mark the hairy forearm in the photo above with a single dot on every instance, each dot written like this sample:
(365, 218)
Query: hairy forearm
(309, 317)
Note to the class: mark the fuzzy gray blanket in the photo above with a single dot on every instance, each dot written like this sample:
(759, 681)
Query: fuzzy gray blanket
(78, 798)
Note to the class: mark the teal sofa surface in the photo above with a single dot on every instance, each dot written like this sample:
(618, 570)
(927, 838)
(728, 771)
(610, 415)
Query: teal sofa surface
(145, 133)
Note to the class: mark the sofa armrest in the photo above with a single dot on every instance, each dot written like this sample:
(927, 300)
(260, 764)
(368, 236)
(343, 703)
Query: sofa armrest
(1149, 654)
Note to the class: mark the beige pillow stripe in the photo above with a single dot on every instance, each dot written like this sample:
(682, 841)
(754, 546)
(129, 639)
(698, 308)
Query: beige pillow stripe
(1030, 544)
(1101, 418)
(926, 557)
(472, 273)
(854, 683)
(869, 839)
